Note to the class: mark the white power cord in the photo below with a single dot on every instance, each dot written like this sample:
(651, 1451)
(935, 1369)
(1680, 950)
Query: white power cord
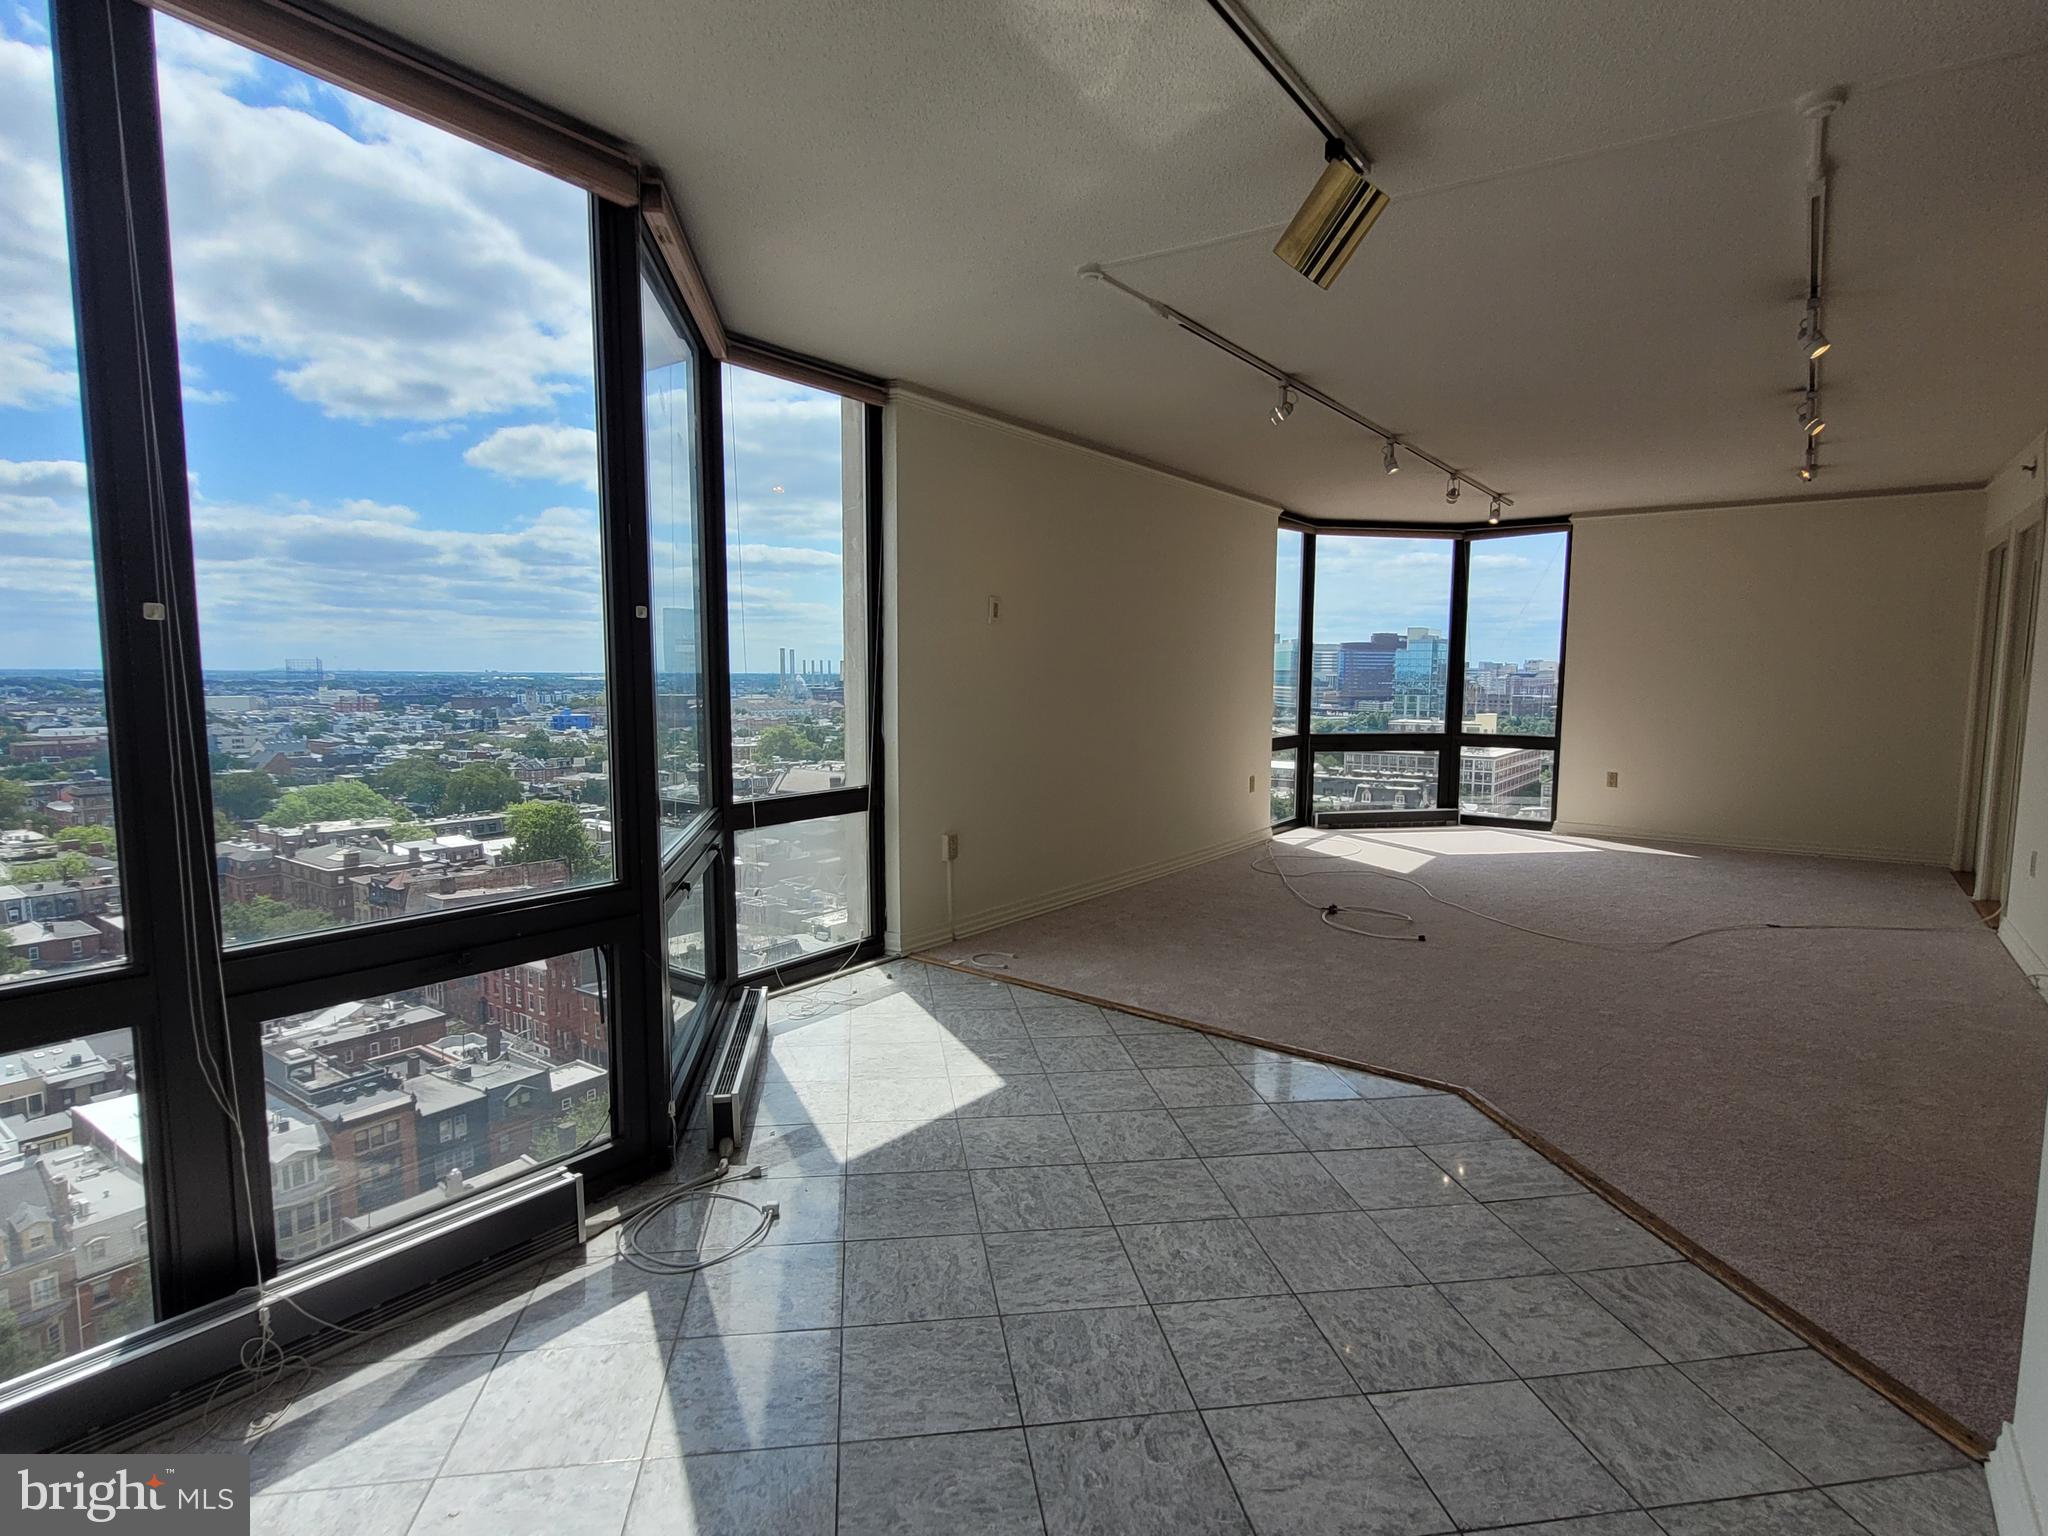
(635, 1225)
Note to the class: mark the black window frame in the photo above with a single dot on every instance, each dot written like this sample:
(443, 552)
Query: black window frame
(196, 1006)
(742, 816)
(1304, 741)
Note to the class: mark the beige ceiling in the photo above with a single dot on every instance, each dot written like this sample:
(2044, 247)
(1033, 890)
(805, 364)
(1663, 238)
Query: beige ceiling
(1585, 290)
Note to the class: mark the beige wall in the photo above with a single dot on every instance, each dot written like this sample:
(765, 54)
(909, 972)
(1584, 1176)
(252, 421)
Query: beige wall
(1791, 676)
(1112, 724)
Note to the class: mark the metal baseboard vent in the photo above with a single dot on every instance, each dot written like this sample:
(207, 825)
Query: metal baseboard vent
(740, 1057)
(1426, 816)
(482, 1240)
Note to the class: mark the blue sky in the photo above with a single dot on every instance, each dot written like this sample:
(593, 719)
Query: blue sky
(385, 339)
(1369, 584)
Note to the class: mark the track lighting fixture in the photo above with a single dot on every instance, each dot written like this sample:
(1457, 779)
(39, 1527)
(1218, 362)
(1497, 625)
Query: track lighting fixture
(1293, 390)
(1326, 230)
(1811, 341)
(1810, 465)
(1809, 415)
(1342, 205)
(1493, 510)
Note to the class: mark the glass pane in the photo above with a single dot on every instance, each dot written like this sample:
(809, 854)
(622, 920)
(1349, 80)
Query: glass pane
(60, 884)
(1287, 633)
(1375, 781)
(1515, 634)
(671, 416)
(1382, 622)
(802, 888)
(395, 1106)
(74, 1248)
(796, 552)
(1281, 786)
(1506, 781)
(687, 970)
(386, 345)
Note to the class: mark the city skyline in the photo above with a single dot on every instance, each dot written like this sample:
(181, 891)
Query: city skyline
(1368, 585)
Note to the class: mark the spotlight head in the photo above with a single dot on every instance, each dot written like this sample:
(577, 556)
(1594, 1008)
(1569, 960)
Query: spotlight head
(1806, 471)
(1388, 462)
(1811, 342)
(1493, 510)
(1283, 407)
(1451, 491)
(1322, 236)
(1809, 415)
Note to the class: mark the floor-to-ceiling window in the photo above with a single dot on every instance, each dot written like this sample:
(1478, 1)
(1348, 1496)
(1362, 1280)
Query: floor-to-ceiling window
(381, 826)
(1430, 672)
(1514, 670)
(75, 1165)
(799, 469)
(1288, 674)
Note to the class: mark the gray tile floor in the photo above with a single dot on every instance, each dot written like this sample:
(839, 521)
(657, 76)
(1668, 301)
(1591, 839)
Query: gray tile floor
(1043, 1267)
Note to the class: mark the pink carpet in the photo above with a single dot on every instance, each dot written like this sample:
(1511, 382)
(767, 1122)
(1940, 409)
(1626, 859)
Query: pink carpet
(1852, 1119)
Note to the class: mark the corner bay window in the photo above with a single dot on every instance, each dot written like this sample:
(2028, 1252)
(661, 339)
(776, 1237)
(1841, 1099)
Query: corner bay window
(1430, 670)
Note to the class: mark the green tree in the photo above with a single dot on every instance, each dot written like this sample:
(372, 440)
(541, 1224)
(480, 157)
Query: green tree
(781, 744)
(586, 1122)
(417, 779)
(265, 917)
(10, 962)
(409, 831)
(245, 794)
(536, 743)
(550, 829)
(343, 800)
(477, 787)
(13, 803)
(66, 866)
(379, 741)
(17, 1352)
(98, 841)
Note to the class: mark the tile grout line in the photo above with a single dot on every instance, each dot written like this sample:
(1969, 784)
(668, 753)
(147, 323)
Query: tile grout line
(1010, 1364)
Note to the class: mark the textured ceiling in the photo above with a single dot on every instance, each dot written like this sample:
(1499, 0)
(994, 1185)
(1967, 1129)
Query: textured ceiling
(1585, 290)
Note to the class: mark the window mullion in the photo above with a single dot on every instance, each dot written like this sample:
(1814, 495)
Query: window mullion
(129, 382)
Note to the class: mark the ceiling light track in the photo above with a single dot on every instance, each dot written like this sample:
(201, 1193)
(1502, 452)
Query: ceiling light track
(1288, 78)
(1287, 381)
(1816, 108)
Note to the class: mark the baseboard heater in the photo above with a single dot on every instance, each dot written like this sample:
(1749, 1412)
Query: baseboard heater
(82, 1403)
(742, 1052)
(1425, 816)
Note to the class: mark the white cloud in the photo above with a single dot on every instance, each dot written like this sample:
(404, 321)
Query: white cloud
(37, 342)
(539, 451)
(363, 584)
(390, 271)
(762, 558)
(46, 566)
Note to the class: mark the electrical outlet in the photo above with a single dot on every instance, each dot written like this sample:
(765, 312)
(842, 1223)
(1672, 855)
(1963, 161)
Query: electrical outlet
(2033, 863)
(1251, 783)
(1613, 779)
(949, 846)
(995, 608)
